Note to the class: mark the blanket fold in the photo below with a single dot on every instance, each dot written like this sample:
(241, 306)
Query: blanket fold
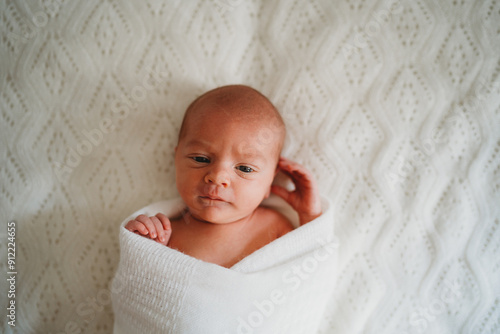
(281, 288)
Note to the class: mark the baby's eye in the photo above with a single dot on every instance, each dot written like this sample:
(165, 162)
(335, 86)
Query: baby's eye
(201, 159)
(245, 169)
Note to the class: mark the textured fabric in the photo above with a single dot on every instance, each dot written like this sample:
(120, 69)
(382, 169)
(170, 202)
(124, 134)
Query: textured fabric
(160, 290)
(393, 106)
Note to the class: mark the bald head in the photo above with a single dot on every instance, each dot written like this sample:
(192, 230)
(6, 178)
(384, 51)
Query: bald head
(241, 104)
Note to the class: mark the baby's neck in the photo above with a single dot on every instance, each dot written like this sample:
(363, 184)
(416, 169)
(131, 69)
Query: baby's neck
(189, 218)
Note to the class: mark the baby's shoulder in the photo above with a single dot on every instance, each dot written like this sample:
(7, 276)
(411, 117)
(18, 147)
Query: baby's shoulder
(276, 220)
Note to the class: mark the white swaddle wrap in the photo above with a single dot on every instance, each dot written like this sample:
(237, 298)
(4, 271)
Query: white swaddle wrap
(281, 288)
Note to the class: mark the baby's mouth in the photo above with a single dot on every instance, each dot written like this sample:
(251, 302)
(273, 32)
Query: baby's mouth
(213, 198)
(212, 201)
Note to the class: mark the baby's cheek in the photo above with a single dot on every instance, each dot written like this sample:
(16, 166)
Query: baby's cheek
(256, 194)
(185, 190)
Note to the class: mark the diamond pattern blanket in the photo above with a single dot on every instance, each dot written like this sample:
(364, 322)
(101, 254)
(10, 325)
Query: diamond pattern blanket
(394, 105)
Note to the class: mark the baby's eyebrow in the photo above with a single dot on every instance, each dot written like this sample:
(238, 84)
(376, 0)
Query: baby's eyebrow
(251, 155)
(197, 142)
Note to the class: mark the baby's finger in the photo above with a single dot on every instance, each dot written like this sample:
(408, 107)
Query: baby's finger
(149, 225)
(294, 167)
(165, 221)
(167, 228)
(135, 226)
(285, 169)
(158, 227)
(298, 173)
(281, 192)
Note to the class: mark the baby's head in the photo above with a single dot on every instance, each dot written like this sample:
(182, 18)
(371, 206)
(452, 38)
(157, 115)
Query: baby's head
(227, 154)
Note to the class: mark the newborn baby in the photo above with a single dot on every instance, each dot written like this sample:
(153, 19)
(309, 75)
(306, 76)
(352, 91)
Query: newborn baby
(227, 156)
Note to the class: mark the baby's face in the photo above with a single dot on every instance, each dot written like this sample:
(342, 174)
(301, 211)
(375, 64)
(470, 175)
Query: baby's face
(223, 168)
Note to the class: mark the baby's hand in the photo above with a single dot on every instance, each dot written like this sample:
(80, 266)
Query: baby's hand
(305, 198)
(156, 227)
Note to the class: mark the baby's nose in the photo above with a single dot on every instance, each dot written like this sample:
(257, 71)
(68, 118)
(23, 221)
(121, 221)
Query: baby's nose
(218, 177)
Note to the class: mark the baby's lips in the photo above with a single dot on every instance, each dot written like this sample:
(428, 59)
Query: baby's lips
(213, 198)
(211, 193)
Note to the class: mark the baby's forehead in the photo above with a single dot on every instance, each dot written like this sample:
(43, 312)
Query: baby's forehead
(252, 115)
(247, 134)
(233, 107)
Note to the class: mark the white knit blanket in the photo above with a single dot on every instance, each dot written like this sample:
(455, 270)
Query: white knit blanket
(394, 106)
(283, 287)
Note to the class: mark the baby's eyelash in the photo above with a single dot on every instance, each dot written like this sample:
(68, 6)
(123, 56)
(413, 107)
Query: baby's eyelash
(245, 169)
(204, 160)
(201, 159)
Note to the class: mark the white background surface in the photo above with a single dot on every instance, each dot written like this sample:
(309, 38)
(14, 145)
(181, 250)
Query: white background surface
(394, 106)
